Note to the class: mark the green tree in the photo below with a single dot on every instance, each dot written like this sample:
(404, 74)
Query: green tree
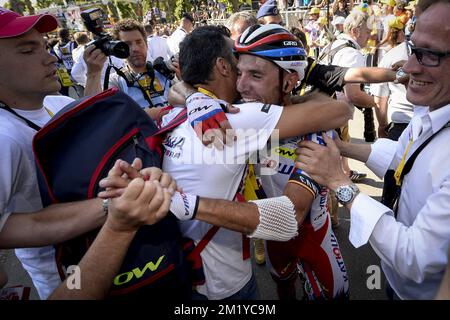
(113, 14)
(29, 7)
(182, 6)
(17, 6)
(125, 10)
(42, 4)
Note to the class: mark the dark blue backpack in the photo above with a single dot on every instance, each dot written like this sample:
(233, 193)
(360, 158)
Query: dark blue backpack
(74, 151)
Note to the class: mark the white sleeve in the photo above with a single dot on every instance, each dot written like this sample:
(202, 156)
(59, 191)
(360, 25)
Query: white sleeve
(256, 121)
(381, 156)
(56, 102)
(10, 159)
(79, 72)
(419, 250)
(114, 81)
(118, 63)
(350, 58)
(381, 89)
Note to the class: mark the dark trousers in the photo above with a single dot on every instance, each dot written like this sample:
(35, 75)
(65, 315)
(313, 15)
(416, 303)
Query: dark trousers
(389, 188)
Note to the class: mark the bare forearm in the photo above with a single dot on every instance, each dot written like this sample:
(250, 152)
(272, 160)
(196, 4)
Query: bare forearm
(301, 198)
(237, 216)
(381, 111)
(355, 151)
(93, 84)
(362, 99)
(108, 249)
(318, 114)
(369, 75)
(179, 92)
(51, 225)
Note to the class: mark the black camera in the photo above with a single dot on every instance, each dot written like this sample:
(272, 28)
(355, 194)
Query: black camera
(93, 21)
(160, 65)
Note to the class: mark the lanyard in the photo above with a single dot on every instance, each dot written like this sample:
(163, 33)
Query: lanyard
(401, 165)
(50, 113)
(405, 166)
(207, 92)
(303, 88)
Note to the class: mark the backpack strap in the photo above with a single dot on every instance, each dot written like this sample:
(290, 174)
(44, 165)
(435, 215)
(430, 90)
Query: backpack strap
(175, 122)
(155, 141)
(332, 52)
(195, 254)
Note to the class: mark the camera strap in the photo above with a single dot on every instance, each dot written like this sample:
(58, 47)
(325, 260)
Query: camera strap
(405, 168)
(30, 123)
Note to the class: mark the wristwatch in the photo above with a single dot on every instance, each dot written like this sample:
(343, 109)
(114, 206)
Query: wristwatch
(400, 74)
(346, 193)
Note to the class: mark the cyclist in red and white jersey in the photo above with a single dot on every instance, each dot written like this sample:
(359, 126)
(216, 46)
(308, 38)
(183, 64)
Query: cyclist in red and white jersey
(266, 53)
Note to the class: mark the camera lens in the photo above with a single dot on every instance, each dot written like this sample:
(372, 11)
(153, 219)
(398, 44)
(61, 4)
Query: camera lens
(118, 49)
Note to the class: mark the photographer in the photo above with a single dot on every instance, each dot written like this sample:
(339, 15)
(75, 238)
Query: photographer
(139, 79)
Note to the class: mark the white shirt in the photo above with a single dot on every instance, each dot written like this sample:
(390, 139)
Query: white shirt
(77, 53)
(159, 98)
(347, 57)
(79, 69)
(225, 270)
(175, 39)
(399, 109)
(157, 47)
(413, 248)
(19, 190)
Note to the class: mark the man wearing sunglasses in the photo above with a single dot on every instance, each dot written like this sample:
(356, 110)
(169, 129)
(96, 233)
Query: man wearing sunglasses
(412, 241)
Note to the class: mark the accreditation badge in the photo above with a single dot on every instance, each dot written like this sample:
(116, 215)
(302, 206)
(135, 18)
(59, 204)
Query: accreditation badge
(64, 77)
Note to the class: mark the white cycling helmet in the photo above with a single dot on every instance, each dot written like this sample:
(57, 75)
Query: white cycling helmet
(274, 43)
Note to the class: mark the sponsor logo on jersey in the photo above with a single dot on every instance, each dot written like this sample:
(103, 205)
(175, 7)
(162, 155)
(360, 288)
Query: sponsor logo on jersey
(173, 142)
(198, 109)
(285, 152)
(265, 108)
(338, 256)
(285, 168)
(137, 273)
(186, 204)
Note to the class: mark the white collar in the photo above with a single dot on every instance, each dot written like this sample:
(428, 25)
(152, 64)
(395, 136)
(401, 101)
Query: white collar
(346, 37)
(439, 117)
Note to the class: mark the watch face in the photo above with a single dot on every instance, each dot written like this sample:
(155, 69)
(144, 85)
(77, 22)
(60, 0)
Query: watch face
(400, 73)
(344, 194)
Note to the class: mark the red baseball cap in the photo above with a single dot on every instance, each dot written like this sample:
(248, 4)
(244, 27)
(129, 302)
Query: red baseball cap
(13, 24)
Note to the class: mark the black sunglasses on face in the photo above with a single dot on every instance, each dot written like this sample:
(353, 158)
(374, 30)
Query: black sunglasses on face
(427, 57)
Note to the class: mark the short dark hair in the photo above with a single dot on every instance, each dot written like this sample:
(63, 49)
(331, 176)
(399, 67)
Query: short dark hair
(188, 17)
(63, 33)
(300, 35)
(199, 51)
(148, 29)
(81, 38)
(128, 25)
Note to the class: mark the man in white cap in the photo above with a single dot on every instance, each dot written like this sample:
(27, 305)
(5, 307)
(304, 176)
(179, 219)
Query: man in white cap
(338, 23)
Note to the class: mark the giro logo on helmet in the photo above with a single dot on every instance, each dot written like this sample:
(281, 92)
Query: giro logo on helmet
(290, 43)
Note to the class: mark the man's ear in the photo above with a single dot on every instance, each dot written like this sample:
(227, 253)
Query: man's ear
(355, 32)
(223, 66)
(290, 81)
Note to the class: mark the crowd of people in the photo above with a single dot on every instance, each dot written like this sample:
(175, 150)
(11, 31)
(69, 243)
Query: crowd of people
(292, 92)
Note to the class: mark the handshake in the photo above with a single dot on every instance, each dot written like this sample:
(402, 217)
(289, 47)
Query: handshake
(137, 197)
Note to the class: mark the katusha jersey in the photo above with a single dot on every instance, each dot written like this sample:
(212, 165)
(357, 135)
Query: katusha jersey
(212, 173)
